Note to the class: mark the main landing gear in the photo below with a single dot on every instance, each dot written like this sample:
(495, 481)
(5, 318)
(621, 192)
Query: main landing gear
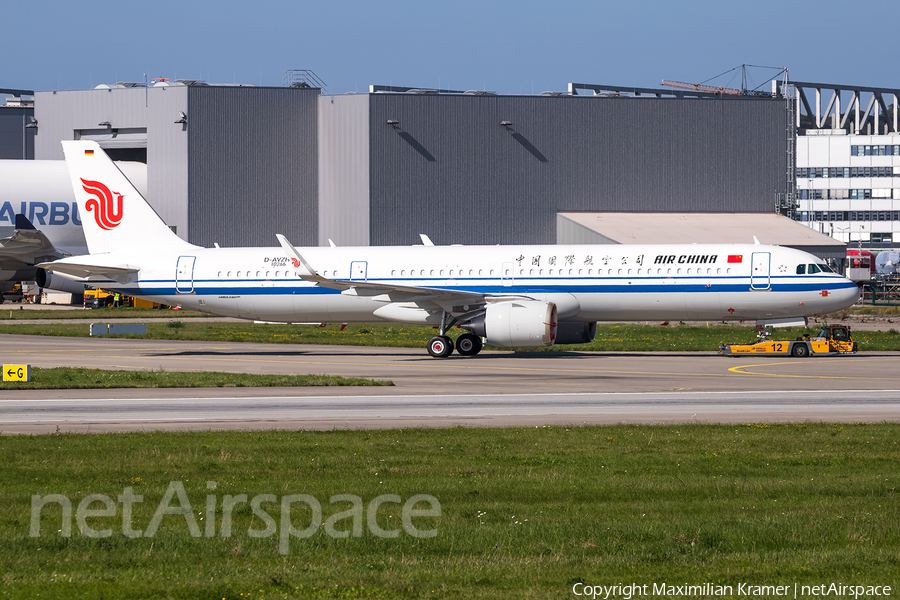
(441, 346)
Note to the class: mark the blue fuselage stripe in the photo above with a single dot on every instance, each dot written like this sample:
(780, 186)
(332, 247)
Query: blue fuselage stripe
(534, 286)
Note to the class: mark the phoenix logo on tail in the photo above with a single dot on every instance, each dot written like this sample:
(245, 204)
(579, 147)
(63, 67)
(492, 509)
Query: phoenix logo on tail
(107, 212)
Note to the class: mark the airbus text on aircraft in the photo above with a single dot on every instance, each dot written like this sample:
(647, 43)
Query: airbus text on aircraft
(505, 296)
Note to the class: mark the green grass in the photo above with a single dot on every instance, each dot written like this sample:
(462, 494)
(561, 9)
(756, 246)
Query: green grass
(13, 312)
(525, 512)
(77, 378)
(609, 338)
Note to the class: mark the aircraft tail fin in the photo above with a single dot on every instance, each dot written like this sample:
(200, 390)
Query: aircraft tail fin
(22, 222)
(114, 215)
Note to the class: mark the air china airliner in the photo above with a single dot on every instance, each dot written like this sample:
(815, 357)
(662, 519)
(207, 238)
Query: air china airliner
(503, 296)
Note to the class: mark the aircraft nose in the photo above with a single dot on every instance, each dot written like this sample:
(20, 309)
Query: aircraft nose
(847, 295)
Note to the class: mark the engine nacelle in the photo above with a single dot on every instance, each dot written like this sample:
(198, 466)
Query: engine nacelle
(524, 323)
(576, 332)
(17, 274)
(49, 281)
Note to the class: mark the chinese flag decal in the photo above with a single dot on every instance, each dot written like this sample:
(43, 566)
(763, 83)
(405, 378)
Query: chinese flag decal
(735, 258)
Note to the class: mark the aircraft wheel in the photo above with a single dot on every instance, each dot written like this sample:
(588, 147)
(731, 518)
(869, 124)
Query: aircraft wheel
(800, 350)
(440, 346)
(468, 344)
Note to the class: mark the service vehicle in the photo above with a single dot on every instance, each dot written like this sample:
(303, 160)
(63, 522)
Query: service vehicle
(832, 340)
(97, 298)
(12, 293)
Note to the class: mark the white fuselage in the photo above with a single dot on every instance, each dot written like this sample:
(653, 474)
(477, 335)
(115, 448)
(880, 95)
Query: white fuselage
(587, 283)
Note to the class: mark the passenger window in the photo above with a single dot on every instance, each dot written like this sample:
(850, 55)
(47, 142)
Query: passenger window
(813, 269)
(801, 269)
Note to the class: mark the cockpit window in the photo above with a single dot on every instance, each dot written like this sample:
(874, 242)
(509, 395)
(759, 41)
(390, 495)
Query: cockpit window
(826, 269)
(813, 269)
(801, 269)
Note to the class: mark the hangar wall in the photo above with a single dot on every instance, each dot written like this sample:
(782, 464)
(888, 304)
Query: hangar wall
(450, 165)
(16, 141)
(253, 165)
(344, 159)
(145, 115)
(380, 168)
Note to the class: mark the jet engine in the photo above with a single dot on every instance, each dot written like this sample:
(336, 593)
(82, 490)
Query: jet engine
(49, 281)
(26, 274)
(576, 332)
(523, 323)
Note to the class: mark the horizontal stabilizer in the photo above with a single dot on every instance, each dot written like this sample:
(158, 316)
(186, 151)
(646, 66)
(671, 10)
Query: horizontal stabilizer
(89, 272)
(27, 245)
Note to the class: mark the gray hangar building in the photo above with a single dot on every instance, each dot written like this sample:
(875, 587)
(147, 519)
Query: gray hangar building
(234, 165)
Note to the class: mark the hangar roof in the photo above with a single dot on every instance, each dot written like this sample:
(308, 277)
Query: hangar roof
(688, 228)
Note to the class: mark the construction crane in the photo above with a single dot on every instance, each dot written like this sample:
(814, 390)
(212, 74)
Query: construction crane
(699, 87)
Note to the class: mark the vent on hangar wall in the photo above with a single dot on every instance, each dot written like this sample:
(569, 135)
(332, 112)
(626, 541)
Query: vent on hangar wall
(302, 78)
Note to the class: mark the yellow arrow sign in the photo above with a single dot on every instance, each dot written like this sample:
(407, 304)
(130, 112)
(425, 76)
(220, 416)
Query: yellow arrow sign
(16, 372)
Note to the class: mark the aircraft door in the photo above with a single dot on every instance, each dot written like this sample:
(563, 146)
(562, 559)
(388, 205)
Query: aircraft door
(759, 276)
(358, 270)
(184, 275)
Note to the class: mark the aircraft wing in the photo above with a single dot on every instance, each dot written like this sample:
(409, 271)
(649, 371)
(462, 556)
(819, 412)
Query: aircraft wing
(25, 244)
(453, 301)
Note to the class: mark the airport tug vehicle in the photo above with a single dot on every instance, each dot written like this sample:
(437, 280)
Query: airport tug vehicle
(832, 340)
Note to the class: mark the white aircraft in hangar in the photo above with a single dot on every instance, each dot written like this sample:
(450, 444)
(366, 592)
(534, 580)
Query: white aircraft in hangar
(504, 296)
(39, 220)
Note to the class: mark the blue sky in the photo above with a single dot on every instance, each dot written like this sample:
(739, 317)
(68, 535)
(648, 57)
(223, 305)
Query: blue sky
(512, 47)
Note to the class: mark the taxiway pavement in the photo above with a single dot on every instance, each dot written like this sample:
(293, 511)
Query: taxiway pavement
(494, 388)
